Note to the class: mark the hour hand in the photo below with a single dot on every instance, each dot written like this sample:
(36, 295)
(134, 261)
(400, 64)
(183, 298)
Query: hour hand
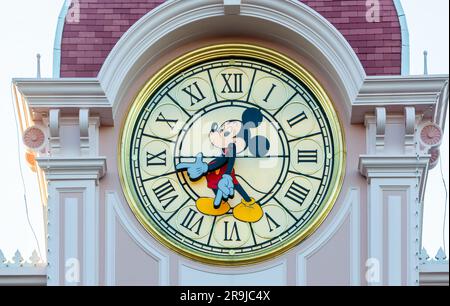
(194, 169)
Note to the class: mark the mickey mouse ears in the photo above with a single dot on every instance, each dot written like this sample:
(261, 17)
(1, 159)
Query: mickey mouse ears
(252, 115)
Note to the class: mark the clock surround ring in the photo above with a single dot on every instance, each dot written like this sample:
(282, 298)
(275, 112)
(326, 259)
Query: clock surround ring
(216, 52)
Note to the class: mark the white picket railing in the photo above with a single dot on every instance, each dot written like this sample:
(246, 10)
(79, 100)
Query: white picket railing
(18, 261)
(433, 270)
(18, 271)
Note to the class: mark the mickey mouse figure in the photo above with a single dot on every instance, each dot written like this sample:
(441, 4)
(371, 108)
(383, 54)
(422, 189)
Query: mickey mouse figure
(232, 137)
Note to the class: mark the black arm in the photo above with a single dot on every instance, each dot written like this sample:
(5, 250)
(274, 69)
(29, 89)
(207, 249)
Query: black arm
(231, 154)
(217, 163)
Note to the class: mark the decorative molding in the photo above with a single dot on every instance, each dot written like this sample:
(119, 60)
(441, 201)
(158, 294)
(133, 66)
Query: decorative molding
(380, 115)
(405, 36)
(350, 209)
(433, 271)
(68, 95)
(396, 92)
(440, 111)
(82, 168)
(394, 236)
(232, 7)
(114, 209)
(23, 276)
(58, 39)
(272, 274)
(393, 166)
(71, 239)
(175, 22)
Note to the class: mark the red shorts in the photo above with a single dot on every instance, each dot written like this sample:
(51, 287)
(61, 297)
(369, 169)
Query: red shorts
(214, 177)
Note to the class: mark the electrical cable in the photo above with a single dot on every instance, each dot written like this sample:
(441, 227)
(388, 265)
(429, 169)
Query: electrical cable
(445, 205)
(22, 177)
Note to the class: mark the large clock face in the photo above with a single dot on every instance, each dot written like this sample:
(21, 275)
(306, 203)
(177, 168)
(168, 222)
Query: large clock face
(231, 154)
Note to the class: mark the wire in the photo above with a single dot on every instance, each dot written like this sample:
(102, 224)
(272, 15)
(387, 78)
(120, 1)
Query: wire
(16, 120)
(445, 205)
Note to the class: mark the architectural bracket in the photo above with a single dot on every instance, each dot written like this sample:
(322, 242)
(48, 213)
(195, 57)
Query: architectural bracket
(410, 129)
(54, 117)
(84, 132)
(380, 114)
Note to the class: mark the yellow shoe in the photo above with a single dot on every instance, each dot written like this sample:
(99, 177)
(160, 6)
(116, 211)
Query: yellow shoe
(248, 211)
(206, 206)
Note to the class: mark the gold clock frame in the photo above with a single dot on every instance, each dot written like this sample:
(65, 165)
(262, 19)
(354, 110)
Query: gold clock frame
(211, 53)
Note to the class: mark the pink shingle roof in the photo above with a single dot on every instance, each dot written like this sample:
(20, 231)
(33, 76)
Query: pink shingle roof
(86, 44)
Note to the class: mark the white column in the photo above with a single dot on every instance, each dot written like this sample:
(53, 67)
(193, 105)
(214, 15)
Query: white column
(393, 216)
(73, 213)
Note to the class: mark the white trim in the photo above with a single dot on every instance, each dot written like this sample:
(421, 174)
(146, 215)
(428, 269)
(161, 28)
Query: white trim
(375, 229)
(58, 39)
(405, 37)
(79, 168)
(23, 276)
(69, 95)
(270, 274)
(394, 240)
(392, 166)
(232, 7)
(53, 224)
(376, 222)
(91, 236)
(110, 240)
(395, 92)
(70, 232)
(90, 241)
(413, 231)
(148, 247)
(175, 22)
(350, 209)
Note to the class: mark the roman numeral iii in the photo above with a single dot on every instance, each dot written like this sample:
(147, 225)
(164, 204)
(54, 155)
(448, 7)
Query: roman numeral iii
(307, 156)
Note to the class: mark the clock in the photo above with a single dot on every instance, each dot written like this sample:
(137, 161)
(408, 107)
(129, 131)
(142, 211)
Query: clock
(231, 154)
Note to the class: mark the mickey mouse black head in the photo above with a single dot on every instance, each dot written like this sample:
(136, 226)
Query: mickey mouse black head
(258, 145)
(239, 133)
